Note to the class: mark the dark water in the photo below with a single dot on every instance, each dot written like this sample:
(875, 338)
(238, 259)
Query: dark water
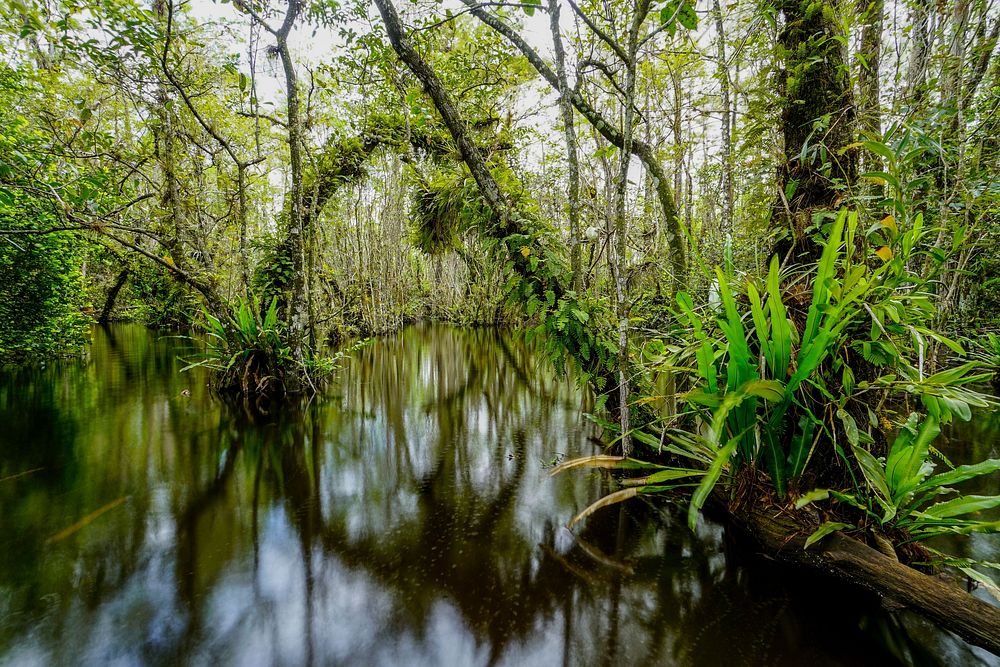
(405, 519)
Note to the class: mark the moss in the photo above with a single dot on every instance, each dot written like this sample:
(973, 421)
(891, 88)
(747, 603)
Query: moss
(818, 119)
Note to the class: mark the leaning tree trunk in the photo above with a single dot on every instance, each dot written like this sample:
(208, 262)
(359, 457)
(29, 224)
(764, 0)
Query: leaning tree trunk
(818, 124)
(109, 302)
(900, 586)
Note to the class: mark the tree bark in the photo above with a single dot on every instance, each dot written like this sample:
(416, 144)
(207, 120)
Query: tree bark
(818, 123)
(164, 132)
(298, 307)
(916, 69)
(869, 57)
(569, 133)
(727, 133)
(109, 302)
(620, 254)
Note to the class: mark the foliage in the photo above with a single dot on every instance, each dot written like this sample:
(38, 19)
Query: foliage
(988, 352)
(574, 329)
(863, 336)
(900, 494)
(41, 285)
(41, 295)
(791, 392)
(250, 354)
(444, 205)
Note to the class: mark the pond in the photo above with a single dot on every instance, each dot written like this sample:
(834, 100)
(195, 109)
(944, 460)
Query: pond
(405, 518)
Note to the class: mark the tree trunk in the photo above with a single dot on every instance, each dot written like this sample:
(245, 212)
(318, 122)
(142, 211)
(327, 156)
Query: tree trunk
(165, 134)
(109, 302)
(726, 225)
(869, 60)
(569, 132)
(948, 606)
(620, 254)
(298, 306)
(818, 124)
(916, 69)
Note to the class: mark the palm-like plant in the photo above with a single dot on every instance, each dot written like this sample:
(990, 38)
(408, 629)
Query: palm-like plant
(771, 386)
(246, 352)
(904, 494)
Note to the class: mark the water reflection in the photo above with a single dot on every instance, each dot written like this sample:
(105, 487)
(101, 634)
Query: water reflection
(407, 518)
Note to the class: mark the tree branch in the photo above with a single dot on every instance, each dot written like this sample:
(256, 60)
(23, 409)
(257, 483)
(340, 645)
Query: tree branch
(642, 150)
(604, 36)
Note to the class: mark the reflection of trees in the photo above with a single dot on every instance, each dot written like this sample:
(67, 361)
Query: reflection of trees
(623, 591)
(420, 479)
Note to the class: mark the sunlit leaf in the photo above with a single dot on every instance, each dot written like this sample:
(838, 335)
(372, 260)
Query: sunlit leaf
(610, 499)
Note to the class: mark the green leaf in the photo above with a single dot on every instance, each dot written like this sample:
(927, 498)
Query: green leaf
(664, 476)
(879, 148)
(959, 474)
(873, 471)
(769, 390)
(850, 427)
(824, 530)
(811, 497)
(963, 505)
(781, 329)
(825, 271)
(907, 464)
(760, 326)
(986, 582)
(687, 16)
(709, 481)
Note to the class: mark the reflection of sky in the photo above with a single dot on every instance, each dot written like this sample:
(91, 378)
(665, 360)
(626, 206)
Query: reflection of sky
(362, 555)
(247, 613)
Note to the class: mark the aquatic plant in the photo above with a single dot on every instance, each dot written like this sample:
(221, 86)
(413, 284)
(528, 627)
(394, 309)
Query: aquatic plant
(250, 353)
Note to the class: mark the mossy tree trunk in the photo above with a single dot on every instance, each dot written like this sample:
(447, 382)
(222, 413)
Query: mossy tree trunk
(869, 61)
(818, 124)
(298, 307)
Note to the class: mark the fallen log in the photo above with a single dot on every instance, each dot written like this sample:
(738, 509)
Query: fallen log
(782, 536)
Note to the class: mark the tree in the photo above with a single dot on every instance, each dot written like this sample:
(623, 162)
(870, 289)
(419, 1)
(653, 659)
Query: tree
(818, 125)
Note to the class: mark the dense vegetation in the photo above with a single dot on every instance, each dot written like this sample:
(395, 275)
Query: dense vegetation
(763, 233)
